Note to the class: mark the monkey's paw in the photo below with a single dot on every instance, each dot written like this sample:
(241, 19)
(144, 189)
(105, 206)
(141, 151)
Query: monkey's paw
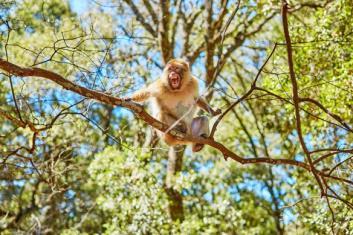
(127, 99)
(181, 127)
(197, 147)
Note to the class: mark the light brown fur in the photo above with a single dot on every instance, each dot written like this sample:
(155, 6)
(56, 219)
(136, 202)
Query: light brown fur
(175, 107)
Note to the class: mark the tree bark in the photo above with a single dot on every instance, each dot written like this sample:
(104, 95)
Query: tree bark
(175, 163)
(106, 121)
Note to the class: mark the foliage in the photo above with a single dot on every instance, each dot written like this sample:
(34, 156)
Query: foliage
(94, 169)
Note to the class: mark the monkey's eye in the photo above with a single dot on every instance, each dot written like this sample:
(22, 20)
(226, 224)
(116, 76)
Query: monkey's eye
(179, 70)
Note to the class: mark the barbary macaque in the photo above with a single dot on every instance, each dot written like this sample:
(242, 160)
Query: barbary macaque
(174, 98)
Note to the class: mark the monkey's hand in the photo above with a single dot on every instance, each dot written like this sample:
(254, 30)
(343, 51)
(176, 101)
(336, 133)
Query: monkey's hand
(127, 99)
(217, 112)
(140, 95)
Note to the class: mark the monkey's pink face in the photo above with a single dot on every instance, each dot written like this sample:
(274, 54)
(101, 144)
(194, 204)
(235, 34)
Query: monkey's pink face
(175, 75)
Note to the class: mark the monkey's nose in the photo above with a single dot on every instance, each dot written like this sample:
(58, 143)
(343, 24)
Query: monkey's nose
(174, 74)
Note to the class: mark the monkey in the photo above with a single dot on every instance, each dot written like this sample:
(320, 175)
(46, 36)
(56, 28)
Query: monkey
(174, 97)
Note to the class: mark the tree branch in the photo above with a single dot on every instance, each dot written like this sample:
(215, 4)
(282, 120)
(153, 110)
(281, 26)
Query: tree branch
(296, 98)
(140, 17)
(139, 112)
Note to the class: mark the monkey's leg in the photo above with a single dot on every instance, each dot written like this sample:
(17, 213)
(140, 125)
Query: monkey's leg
(171, 140)
(180, 126)
(199, 128)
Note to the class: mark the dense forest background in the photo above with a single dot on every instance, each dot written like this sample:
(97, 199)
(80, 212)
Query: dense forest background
(73, 162)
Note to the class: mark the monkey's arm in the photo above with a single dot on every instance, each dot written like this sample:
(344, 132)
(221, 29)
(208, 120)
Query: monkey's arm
(204, 105)
(140, 95)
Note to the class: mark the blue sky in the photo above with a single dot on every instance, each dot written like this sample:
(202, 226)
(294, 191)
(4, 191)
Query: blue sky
(79, 6)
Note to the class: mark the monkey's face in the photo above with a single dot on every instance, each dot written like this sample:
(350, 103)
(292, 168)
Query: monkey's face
(176, 72)
(175, 75)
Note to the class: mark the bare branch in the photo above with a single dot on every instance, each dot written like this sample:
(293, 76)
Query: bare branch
(140, 18)
(296, 99)
(249, 92)
(334, 116)
(150, 9)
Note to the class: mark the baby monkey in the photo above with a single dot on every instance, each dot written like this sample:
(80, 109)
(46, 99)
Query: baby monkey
(174, 97)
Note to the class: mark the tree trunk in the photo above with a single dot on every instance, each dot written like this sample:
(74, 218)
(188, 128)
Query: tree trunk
(106, 119)
(175, 162)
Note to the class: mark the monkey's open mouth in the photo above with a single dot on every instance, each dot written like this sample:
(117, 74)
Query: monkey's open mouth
(174, 81)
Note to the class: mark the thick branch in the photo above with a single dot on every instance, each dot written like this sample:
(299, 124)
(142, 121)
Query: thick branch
(138, 111)
(163, 31)
(150, 9)
(140, 18)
